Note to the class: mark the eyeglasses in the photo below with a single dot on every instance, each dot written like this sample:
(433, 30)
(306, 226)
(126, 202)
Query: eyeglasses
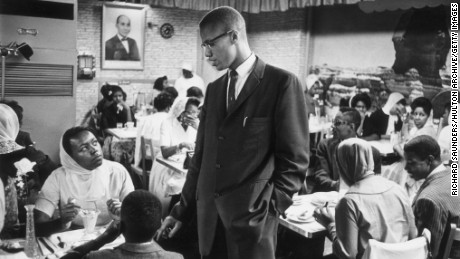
(210, 43)
(339, 123)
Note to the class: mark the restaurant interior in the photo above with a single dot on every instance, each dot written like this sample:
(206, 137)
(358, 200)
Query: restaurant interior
(55, 66)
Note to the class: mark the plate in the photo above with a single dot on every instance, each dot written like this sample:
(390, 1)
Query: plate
(295, 218)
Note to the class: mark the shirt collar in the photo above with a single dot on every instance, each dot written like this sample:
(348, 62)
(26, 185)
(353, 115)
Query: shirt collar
(246, 67)
(438, 169)
(147, 247)
(121, 37)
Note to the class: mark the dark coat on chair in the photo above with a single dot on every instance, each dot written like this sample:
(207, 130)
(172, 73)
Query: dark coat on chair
(248, 161)
(114, 50)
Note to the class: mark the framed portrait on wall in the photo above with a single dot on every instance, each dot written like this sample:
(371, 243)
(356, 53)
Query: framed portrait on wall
(123, 36)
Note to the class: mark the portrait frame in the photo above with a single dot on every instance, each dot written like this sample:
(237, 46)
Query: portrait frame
(128, 55)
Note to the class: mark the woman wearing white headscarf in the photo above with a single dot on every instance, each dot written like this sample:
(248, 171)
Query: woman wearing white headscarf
(85, 181)
(373, 206)
(388, 119)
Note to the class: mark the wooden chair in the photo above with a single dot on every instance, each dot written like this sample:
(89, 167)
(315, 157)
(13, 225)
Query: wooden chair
(453, 235)
(147, 153)
(417, 248)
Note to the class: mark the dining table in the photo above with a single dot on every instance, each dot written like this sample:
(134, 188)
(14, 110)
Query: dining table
(57, 245)
(299, 216)
(123, 133)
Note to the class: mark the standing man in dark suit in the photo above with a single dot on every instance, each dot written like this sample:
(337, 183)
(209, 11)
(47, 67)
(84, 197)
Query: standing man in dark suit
(120, 46)
(251, 151)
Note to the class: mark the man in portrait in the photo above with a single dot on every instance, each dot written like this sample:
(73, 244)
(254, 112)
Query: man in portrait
(120, 46)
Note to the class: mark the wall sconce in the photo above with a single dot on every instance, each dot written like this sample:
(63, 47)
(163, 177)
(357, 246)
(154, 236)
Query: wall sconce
(86, 67)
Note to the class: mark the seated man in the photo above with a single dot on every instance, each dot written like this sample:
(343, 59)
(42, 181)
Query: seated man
(326, 174)
(434, 206)
(85, 181)
(140, 218)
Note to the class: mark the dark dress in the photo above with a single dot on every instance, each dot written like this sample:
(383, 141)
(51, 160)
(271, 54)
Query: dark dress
(111, 116)
(378, 124)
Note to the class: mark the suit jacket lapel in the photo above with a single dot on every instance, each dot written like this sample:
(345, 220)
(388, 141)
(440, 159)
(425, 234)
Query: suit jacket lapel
(222, 98)
(250, 85)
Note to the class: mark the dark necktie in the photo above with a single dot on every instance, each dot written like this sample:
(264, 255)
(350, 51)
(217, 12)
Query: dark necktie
(231, 89)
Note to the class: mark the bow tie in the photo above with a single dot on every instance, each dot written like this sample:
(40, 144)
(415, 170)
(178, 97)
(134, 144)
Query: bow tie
(123, 39)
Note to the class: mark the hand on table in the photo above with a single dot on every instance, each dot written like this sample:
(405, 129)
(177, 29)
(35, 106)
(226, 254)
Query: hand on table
(114, 206)
(189, 146)
(324, 215)
(168, 228)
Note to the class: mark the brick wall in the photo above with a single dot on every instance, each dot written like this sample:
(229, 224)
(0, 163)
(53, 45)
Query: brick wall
(280, 39)
(277, 37)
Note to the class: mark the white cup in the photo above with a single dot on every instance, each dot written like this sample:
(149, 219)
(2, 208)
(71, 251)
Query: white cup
(130, 125)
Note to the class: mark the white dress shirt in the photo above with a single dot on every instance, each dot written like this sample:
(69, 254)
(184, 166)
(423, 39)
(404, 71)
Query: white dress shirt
(243, 70)
(124, 42)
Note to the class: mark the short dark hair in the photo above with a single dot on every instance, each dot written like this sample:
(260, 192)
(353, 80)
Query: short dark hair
(423, 146)
(106, 91)
(225, 16)
(142, 211)
(353, 114)
(159, 85)
(162, 101)
(194, 92)
(192, 101)
(16, 108)
(363, 97)
(116, 88)
(172, 91)
(70, 134)
(422, 102)
(402, 102)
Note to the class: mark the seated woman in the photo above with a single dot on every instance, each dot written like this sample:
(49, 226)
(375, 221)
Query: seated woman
(362, 103)
(421, 112)
(178, 133)
(85, 181)
(16, 191)
(373, 206)
(386, 120)
(116, 112)
(150, 125)
(159, 86)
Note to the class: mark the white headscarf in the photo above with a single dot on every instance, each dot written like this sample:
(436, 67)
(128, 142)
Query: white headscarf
(178, 107)
(393, 99)
(9, 129)
(84, 184)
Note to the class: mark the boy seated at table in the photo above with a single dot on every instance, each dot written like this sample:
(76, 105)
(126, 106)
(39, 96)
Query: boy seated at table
(140, 219)
(85, 181)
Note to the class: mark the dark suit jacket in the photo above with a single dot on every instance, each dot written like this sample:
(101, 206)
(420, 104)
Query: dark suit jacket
(379, 122)
(114, 50)
(248, 161)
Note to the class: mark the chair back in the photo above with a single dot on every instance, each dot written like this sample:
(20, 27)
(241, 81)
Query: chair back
(147, 152)
(417, 248)
(453, 235)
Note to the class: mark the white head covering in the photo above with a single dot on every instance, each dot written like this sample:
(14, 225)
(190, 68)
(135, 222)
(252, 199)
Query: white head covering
(178, 107)
(9, 129)
(392, 100)
(83, 184)
(187, 66)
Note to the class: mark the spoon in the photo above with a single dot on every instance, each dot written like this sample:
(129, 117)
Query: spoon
(61, 244)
